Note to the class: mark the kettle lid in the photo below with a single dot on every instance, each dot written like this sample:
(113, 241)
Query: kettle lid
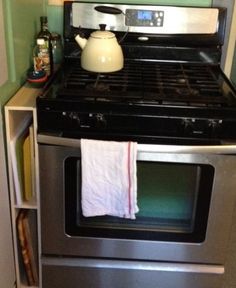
(102, 33)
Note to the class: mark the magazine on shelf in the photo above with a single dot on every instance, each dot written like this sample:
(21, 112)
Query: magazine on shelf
(22, 162)
(28, 166)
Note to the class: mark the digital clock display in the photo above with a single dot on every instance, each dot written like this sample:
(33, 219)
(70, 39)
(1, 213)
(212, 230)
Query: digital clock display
(144, 15)
(144, 18)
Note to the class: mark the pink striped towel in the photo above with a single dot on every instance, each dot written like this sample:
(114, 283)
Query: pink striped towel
(109, 180)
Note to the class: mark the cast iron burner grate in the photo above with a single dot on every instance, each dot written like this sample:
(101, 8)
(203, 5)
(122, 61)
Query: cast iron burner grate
(147, 82)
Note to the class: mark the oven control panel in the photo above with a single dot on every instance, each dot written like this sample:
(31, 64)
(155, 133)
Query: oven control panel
(201, 127)
(75, 123)
(153, 19)
(145, 18)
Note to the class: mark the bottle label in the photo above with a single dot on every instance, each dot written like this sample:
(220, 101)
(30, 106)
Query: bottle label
(42, 58)
(38, 64)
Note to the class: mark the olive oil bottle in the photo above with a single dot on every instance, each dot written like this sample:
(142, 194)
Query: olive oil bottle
(43, 53)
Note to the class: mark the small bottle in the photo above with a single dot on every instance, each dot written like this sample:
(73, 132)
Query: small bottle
(41, 57)
(44, 46)
(56, 48)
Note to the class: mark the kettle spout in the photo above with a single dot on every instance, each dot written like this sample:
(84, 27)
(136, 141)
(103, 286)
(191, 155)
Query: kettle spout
(81, 41)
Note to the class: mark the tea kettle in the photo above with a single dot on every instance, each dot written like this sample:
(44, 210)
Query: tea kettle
(101, 52)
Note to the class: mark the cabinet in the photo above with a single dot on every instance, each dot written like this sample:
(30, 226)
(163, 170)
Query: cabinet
(20, 112)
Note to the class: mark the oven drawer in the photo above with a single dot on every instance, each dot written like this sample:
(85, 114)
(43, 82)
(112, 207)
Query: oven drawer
(95, 273)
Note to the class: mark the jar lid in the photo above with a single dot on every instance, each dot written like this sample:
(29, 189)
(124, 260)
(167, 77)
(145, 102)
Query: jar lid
(55, 36)
(37, 76)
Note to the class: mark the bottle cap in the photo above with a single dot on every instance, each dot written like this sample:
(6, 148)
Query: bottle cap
(44, 19)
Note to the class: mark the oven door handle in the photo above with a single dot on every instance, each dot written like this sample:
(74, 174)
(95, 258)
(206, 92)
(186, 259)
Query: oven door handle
(148, 148)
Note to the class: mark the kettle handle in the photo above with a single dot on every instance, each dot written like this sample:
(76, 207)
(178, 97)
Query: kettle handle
(108, 9)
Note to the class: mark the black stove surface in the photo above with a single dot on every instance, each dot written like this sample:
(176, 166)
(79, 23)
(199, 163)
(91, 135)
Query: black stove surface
(150, 83)
(145, 101)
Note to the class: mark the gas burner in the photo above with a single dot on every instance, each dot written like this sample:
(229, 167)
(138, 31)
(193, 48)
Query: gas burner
(99, 87)
(148, 83)
(187, 92)
(181, 80)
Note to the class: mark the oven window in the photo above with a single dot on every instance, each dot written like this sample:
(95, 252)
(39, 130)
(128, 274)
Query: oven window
(173, 201)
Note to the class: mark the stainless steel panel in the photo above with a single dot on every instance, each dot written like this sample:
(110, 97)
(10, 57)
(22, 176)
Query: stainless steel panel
(212, 250)
(97, 273)
(186, 20)
(147, 148)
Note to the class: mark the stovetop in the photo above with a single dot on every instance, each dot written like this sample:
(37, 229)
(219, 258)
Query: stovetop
(150, 83)
(144, 100)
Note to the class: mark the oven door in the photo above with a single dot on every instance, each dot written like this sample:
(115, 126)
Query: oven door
(185, 198)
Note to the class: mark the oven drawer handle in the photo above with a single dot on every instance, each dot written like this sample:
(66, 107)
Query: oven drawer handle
(147, 148)
(133, 265)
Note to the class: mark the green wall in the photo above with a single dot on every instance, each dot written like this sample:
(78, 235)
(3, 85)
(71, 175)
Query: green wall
(21, 19)
(55, 18)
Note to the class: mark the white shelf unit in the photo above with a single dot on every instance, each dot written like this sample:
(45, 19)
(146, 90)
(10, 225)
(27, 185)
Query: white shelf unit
(19, 107)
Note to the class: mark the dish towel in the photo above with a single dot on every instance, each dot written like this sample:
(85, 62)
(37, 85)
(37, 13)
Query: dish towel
(109, 180)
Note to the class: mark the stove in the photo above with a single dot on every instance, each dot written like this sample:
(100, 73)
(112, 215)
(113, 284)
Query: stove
(173, 99)
(171, 87)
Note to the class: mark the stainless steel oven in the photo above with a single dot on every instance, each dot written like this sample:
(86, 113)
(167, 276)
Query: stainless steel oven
(173, 99)
(181, 230)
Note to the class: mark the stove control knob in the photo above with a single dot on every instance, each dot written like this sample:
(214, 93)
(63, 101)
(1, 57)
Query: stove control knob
(188, 125)
(101, 122)
(214, 126)
(74, 116)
